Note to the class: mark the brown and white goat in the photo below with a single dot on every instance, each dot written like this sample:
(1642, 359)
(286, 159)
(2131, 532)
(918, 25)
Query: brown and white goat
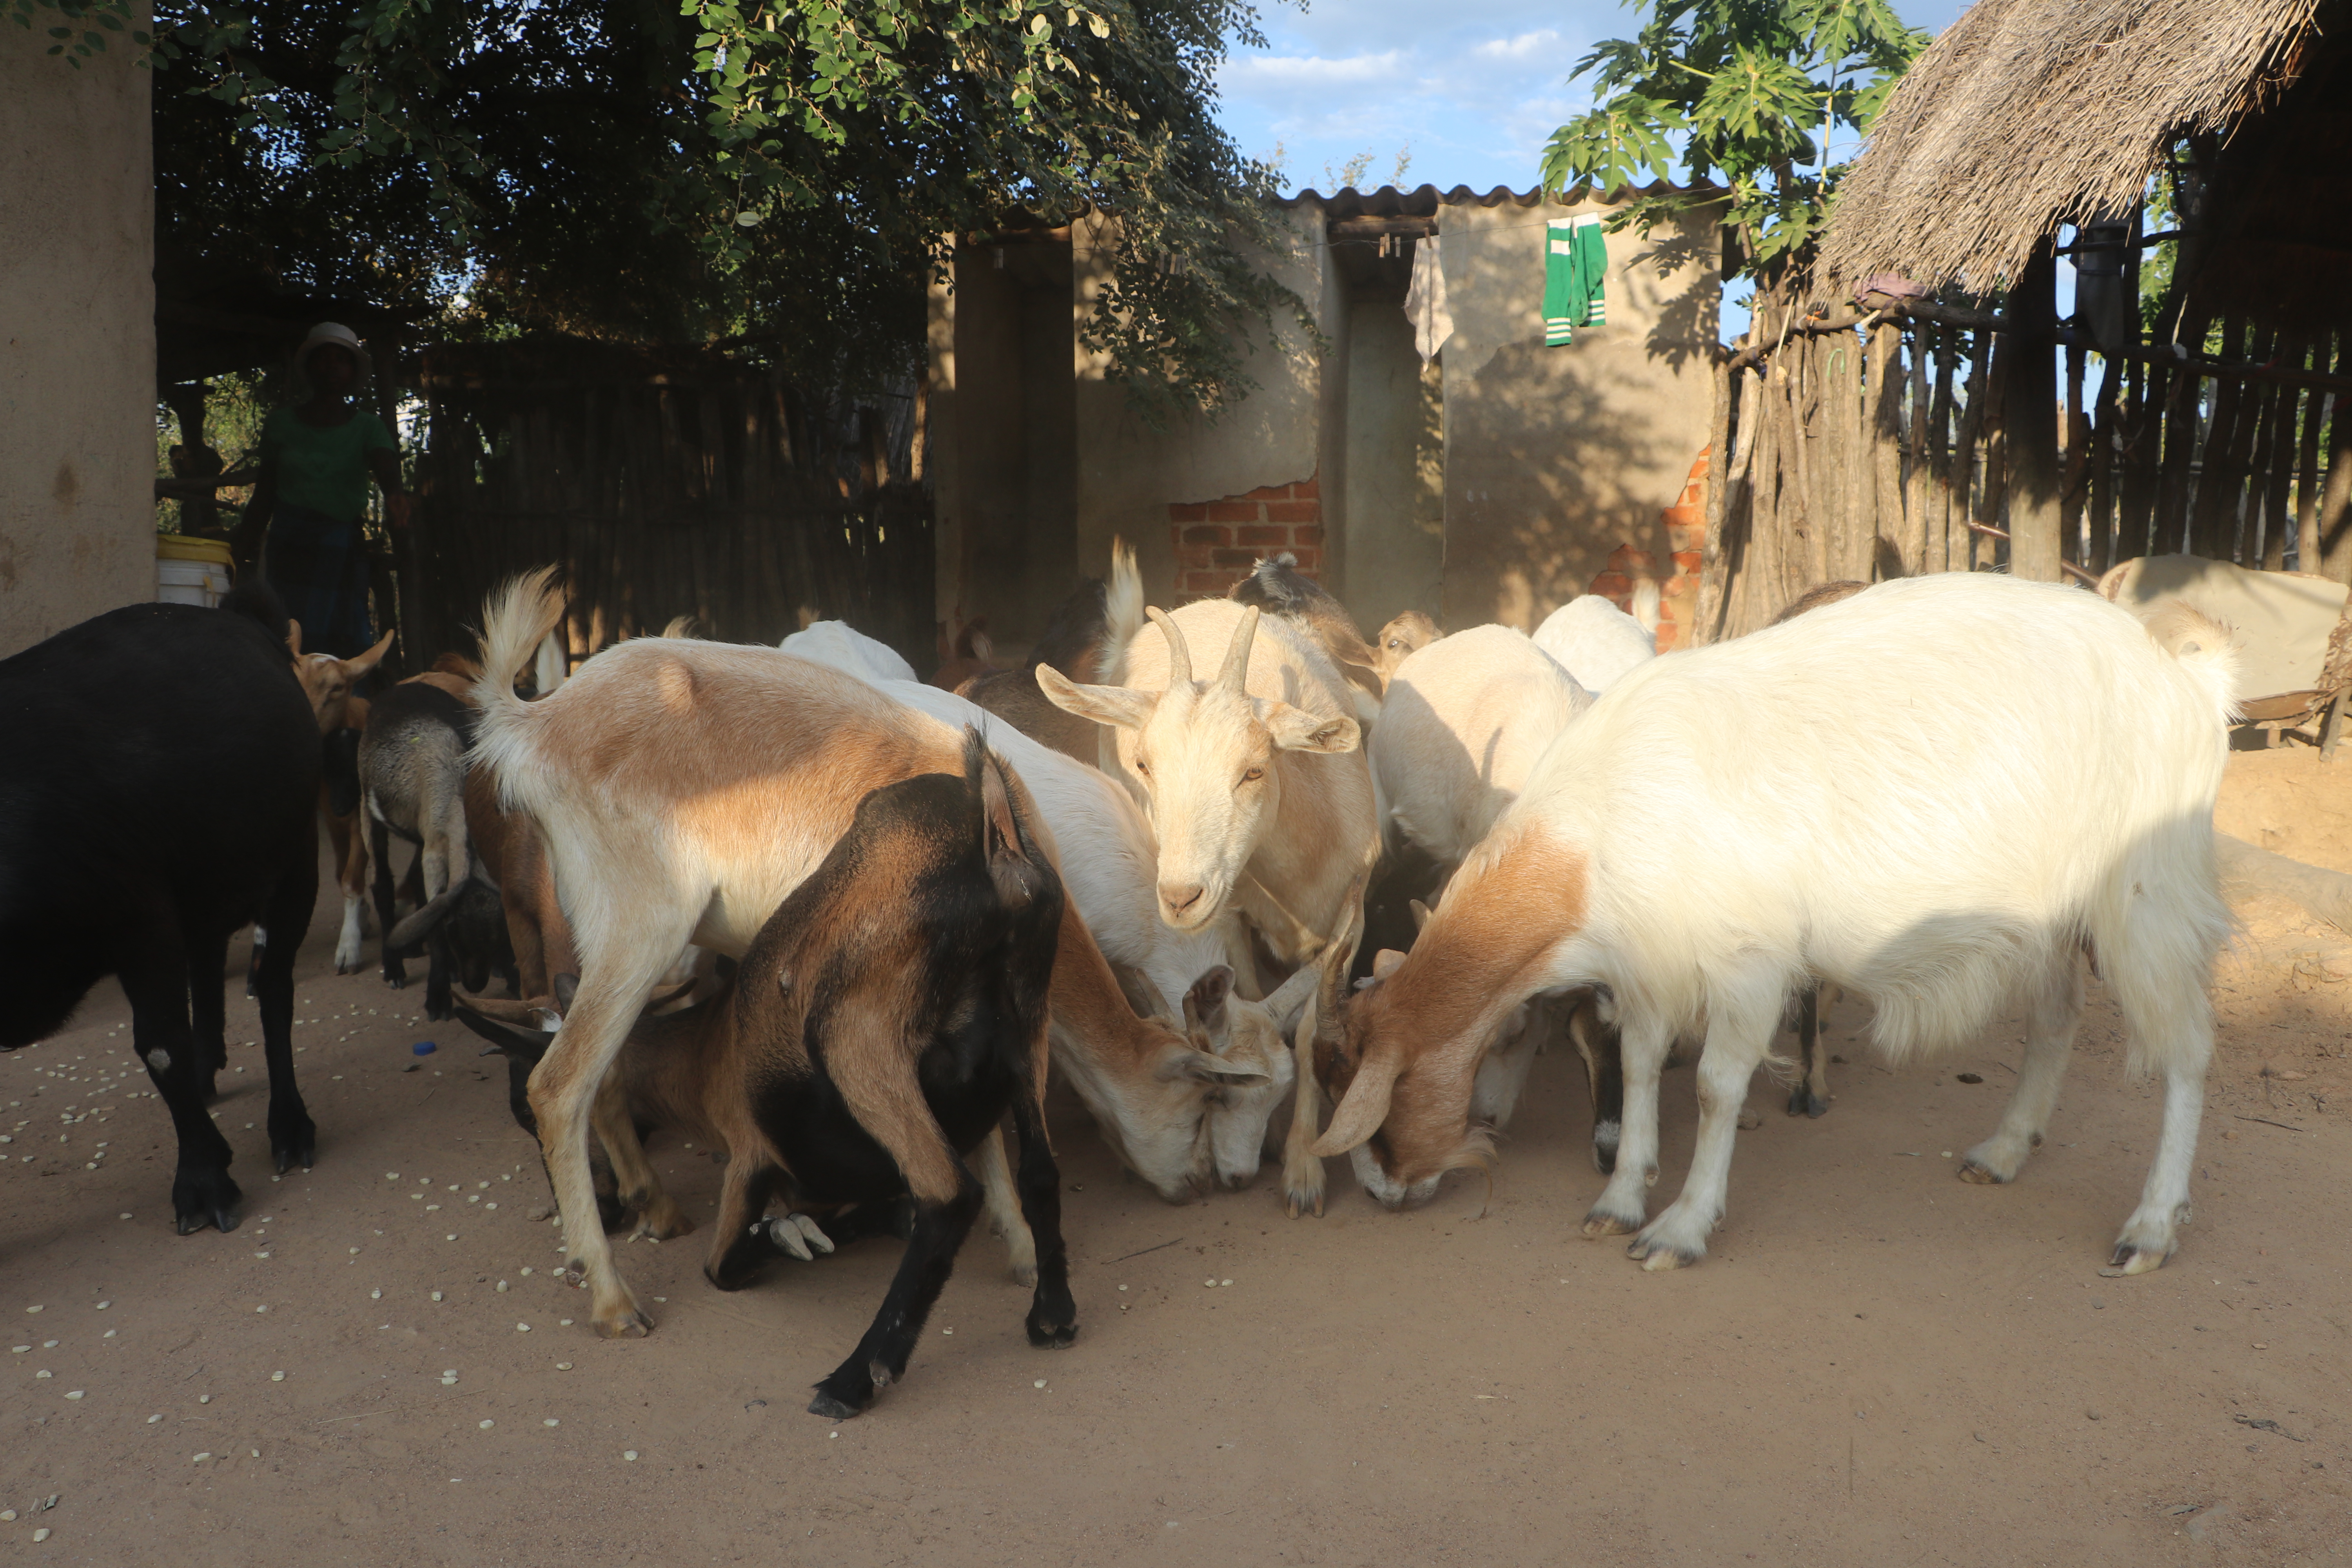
(331, 684)
(1404, 635)
(889, 1014)
(1255, 783)
(681, 791)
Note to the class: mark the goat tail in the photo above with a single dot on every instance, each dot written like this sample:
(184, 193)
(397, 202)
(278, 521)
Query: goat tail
(1123, 613)
(1645, 605)
(2204, 647)
(515, 619)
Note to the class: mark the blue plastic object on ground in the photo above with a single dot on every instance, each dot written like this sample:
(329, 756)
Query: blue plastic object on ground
(424, 1047)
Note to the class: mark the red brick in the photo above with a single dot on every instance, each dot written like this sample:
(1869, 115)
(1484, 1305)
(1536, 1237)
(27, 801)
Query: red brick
(1268, 492)
(1670, 637)
(1306, 490)
(1208, 533)
(1632, 562)
(1262, 533)
(1209, 584)
(1683, 584)
(1687, 561)
(1612, 584)
(1190, 557)
(1682, 536)
(1233, 512)
(1309, 533)
(1239, 560)
(1188, 511)
(1293, 510)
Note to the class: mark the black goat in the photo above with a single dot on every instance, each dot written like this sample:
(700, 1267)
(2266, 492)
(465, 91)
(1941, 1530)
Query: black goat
(884, 1021)
(106, 723)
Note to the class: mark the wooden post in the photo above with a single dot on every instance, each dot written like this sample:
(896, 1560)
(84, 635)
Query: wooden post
(1707, 611)
(2029, 418)
(1916, 486)
(2306, 466)
(1890, 550)
(2073, 469)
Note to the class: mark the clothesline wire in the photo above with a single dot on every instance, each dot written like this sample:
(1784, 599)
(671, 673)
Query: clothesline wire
(1375, 239)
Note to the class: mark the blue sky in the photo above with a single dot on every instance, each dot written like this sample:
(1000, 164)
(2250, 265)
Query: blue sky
(1472, 90)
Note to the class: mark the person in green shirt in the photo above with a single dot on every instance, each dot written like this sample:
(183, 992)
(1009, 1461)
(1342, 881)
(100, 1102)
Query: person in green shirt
(310, 497)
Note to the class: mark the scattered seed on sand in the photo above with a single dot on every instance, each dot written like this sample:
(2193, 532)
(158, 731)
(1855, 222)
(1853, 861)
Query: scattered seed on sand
(551, 1421)
(628, 1453)
(203, 1399)
(436, 1295)
(200, 1458)
(73, 1394)
(563, 1366)
(376, 1294)
(276, 1377)
(502, 1287)
(39, 1536)
(152, 1419)
(488, 1425)
(522, 1327)
(1039, 1384)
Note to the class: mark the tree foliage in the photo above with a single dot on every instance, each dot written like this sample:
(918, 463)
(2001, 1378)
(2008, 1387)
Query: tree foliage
(1743, 94)
(782, 172)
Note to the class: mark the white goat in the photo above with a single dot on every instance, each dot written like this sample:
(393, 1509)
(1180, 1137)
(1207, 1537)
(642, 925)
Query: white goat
(1256, 784)
(1935, 795)
(843, 646)
(682, 790)
(1108, 862)
(1466, 718)
(1598, 643)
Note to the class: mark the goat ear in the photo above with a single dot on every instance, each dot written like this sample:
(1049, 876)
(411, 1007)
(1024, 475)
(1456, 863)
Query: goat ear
(567, 986)
(1296, 730)
(1385, 963)
(294, 638)
(1421, 912)
(1202, 1067)
(1141, 993)
(1103, 704)
(1204, 1004)
(1363, 1110)
(509, 1039)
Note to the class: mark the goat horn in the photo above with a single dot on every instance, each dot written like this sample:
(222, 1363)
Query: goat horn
(1237, 652)
(1180, 656)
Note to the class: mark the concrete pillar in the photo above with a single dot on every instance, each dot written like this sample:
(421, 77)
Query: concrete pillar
(77, 337)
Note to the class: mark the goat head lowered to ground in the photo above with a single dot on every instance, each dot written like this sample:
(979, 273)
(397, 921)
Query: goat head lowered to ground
(1722, 833)
(680, 791)
(1254, 781)
(886, 1015)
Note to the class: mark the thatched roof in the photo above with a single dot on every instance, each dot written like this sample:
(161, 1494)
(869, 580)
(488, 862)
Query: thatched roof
(2025, 114)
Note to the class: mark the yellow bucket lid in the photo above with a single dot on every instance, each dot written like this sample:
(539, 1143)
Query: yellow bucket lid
(181, 547)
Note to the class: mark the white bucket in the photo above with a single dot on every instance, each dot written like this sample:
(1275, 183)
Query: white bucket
(203, 582)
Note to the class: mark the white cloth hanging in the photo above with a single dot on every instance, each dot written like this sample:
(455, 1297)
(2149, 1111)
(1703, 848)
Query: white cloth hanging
(1424, 302)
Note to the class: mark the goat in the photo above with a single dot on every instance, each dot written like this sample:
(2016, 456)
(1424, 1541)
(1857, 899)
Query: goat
(106, 720)
(1107, 857)
(1072, 643)
(1596, 642)
(681, 790)
(2039, 771)
(332, 685)
(413, 784)
(1276, 586)
(889, 1014)
(842, 645)
(1466, 721)
(1255, 783)
(1404, 635)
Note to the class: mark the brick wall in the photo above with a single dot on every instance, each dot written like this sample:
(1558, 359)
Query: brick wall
(1685, 524)
(1217, 541)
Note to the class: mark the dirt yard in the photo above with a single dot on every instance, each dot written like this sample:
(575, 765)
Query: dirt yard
(1878, 1364)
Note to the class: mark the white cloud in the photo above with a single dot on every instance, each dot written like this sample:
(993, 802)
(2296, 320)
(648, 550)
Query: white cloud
(1290, 70)
(1522, 47)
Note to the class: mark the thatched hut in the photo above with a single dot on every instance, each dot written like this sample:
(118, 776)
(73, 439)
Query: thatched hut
(2220, 422)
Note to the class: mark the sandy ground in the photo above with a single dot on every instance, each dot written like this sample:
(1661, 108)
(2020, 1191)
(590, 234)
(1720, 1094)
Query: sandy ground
(1878, 1364)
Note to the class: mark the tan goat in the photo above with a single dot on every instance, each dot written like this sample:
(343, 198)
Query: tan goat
(681, 791)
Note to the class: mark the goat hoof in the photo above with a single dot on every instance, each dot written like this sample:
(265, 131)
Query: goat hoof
(1658, 1259)
(630, 1324)
(1048, 1336)
(834, 1409)
(1598, 1224)
(1982, 1175)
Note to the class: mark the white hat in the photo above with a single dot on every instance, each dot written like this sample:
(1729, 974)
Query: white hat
(328, 334)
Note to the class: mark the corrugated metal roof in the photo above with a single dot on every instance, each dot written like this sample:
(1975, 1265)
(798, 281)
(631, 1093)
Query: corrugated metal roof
(1423, 201)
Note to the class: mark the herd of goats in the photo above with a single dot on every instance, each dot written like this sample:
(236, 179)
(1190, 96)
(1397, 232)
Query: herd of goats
(793, 903)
